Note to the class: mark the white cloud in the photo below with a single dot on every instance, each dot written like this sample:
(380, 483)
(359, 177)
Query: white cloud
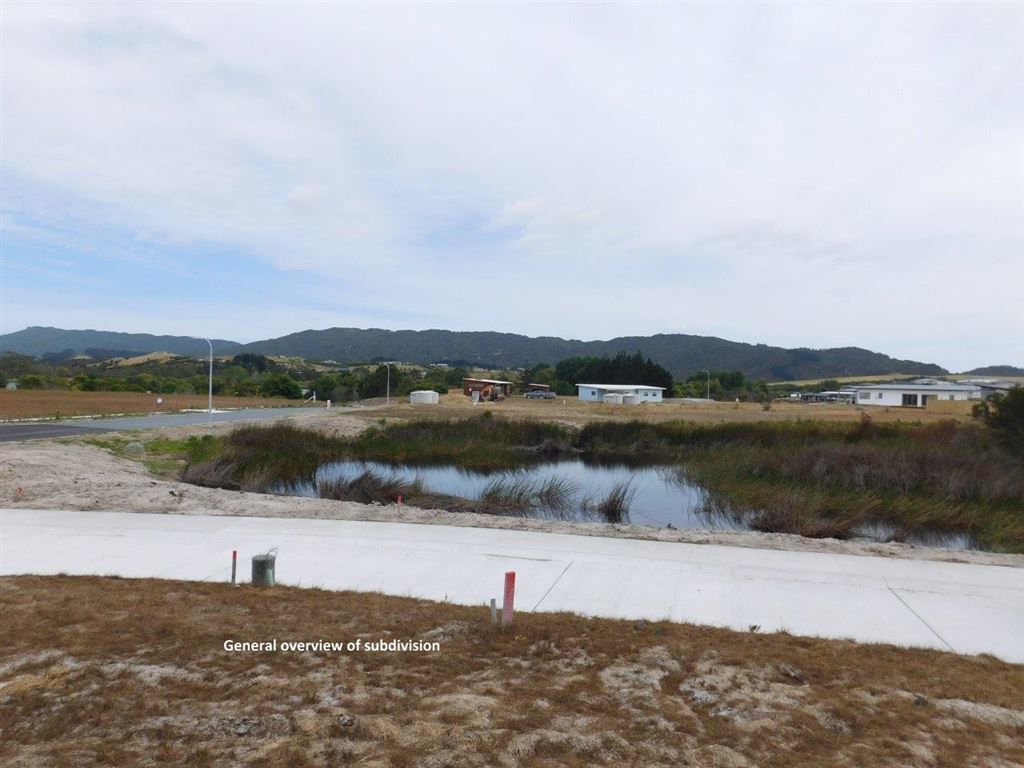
(824, 174)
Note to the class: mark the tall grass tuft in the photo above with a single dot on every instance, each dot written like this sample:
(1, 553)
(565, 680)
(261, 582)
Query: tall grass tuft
(613, 508)
(367, 487)
(521, 495)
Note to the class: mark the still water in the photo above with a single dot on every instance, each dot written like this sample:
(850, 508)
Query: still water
(659, 496)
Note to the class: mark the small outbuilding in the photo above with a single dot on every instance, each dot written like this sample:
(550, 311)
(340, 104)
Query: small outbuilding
(424, 397)
(487, 389)
(631, 394)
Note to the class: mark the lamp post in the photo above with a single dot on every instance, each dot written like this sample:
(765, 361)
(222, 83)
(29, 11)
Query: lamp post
(709, 384)
(209, 402)
(388, 390)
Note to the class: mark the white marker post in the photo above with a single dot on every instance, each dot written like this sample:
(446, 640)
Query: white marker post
(494, 612)
(510, 598)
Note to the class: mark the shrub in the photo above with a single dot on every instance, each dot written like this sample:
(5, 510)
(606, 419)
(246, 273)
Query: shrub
(1004, 415)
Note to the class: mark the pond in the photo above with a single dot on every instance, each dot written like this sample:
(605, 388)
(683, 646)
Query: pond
(659, 496)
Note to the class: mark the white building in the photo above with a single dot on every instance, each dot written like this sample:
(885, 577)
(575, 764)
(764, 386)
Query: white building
(424, 397)
(991, 387)
(914, 395)
(595, 393)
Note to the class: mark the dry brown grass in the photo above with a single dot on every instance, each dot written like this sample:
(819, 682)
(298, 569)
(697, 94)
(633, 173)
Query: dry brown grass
(116, 672)
(49, 403)
(847, 379)
(151, 357)
(569, 410)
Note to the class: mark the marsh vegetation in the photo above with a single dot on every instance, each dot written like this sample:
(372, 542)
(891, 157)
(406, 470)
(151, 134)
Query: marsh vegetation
(896, 481)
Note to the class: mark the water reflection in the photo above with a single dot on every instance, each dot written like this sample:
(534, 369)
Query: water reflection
(660, 496)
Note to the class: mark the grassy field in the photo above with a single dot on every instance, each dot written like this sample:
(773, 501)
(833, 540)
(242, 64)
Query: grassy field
(846, 379)
(572, 411)
(112, 672)
(52, 403)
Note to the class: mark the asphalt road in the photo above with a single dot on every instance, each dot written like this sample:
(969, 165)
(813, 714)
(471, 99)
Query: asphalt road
(960, 607)
(27, 430)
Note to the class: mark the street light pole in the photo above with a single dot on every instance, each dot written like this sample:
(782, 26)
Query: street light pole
(709, 384)
(388, 391)
(209, 402)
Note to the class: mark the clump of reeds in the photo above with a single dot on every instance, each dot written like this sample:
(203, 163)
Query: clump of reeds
(368, 487)
(614, 507)
(482, 442)
(512, 493)
(257, 457)
(521, 495)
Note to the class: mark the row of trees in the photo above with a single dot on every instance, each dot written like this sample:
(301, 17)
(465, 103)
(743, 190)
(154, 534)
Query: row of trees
(624, 368)
(257, 375)
(243, 375)
(722, 385)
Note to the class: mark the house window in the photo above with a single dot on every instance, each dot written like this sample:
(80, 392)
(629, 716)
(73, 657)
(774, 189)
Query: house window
(864, 395)
(910, 400)
(879, 396)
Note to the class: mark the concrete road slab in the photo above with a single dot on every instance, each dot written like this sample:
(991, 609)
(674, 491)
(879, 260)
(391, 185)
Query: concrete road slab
(962, 607)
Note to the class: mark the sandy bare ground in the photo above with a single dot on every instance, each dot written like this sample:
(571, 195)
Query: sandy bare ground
(71, 475)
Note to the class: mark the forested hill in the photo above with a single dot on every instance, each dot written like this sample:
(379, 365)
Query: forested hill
(679, 353)
(38, 341)
(997, 370)
(682, 354)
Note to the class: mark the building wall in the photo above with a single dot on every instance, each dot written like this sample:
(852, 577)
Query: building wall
(594, 395)
(894, 397)
(472, 385)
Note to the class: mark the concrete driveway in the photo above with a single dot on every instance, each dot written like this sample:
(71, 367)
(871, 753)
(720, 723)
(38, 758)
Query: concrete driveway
(965, 608)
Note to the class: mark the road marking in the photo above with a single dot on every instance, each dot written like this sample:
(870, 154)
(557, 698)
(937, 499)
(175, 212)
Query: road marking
(519, 557)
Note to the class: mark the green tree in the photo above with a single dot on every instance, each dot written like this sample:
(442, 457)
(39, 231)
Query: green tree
(324, 386)
(624, 368)
(280, 385)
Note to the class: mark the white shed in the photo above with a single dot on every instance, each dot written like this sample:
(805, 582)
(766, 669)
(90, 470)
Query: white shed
(595, 393)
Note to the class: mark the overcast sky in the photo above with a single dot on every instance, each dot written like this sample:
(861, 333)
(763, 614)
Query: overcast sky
(794, 174)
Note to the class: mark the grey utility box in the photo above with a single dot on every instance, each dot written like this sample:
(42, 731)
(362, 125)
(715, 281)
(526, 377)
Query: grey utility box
(263, 567)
